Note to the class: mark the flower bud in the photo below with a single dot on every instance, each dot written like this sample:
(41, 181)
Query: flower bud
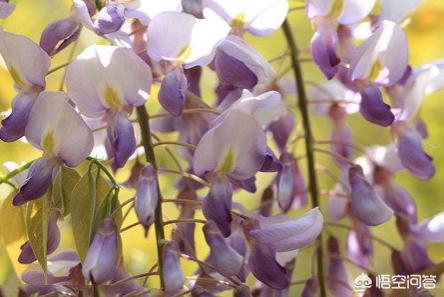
(102, 258)
(222, 255)
(172, 270)
(366, 205)
(146, 197)
(109, 20)
(59, 35)
(121, 142)
(172, 93)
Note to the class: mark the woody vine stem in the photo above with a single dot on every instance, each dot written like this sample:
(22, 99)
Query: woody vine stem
(143, 119)
(309, 142)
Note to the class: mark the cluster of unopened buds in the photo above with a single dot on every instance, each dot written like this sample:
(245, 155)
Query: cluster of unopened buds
(99, 120)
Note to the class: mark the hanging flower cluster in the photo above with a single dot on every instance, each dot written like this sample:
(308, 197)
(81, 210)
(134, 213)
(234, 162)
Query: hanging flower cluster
(99, 123)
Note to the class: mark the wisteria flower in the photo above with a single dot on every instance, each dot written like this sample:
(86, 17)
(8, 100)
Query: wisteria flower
(262, 18)
(110, 96)
(28, 65)
(58, 130)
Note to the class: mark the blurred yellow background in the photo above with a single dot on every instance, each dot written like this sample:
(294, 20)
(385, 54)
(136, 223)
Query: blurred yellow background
(425, 33)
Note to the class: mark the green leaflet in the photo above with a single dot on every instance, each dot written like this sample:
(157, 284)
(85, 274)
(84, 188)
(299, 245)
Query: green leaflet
(37, 216)
(63, 186)
(86, 198)
(11, 215)
(9, 281)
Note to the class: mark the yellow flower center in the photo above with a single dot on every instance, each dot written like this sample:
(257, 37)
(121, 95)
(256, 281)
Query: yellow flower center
(112, 98)
(227, 163)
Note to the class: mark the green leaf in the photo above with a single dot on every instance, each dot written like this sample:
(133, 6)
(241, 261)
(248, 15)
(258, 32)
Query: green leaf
(86, 197)
(11, 215)
(9, 281)
(37, 216)
(63, 186)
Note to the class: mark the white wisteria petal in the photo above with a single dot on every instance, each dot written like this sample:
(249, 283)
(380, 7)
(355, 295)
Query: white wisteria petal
(431, 229)
(265, 108)
(81, 12)
(437, 81)
(346, 12)
(6, 9)
(383, 57)
(395, 10)
(181, 37)
(237, 48)
(422, 81)
(235, 146)
(107, 77)
(261, 18)
(289, 234)
(146, 10)
(55, 127)
(334, 92)
(26, 61)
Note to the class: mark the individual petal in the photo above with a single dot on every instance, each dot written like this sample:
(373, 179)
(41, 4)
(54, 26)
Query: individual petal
(27, 255)
(342, 144)
(366, 205)
(146, 196)
(265, 108)
(58, 35)
(263, 18)
(383, 57)
(172, 93)
(176, 36)
(338, 202)
(55, 127)
(13, 127)
(144, 11)
(334, 93)
(6, 9)
(412, 93)
(233, 72)
(395, 11)
(400, 202)
(271, 163)
(172, 270)
(236, 150)
(265, 268)
(222, 255)
(360, 245)
(102, 258)
(121, 140)
(415, 256)
(437, 82)
(431, 229)
(411, 153)
(346, 12)
(282, 129)
(240, 65)
(83, 14)
(373, 108)
(109, 19)
(27, 63)
(217, 205)
(338, 279)
(323, 50)
(290, 234)
(107, 77)
(291, 190)
(37, 182)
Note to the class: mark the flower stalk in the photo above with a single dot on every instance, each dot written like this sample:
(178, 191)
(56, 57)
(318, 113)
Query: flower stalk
(309, 142)
(143, 119)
